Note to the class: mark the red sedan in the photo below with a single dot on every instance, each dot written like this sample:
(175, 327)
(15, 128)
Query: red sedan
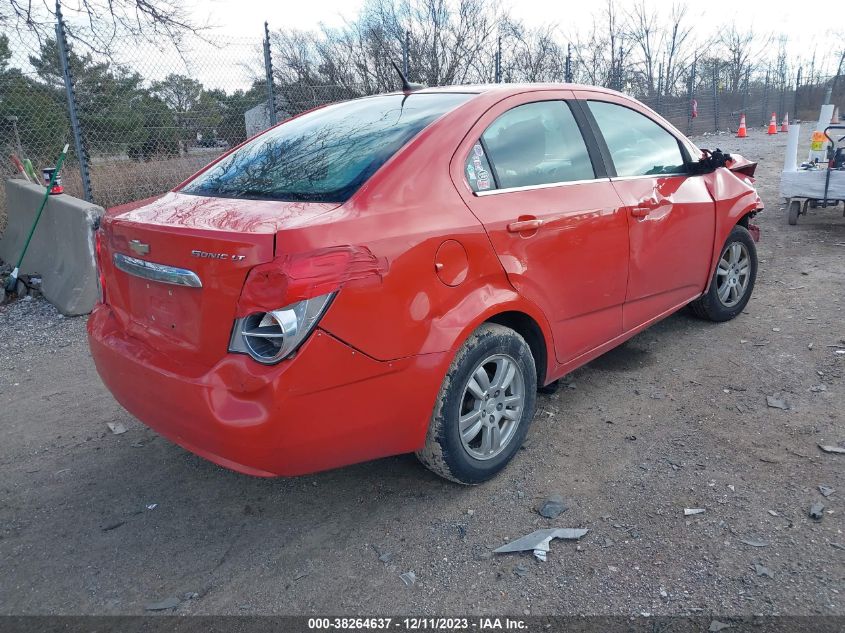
(402, 273)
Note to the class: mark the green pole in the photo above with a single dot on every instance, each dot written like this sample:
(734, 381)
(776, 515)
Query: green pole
(13, 278)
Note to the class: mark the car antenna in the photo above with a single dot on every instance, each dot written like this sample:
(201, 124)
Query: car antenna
(407, 86)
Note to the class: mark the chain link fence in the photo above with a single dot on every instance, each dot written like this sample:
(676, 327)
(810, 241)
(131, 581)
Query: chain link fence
(148, 121)
(143, 124)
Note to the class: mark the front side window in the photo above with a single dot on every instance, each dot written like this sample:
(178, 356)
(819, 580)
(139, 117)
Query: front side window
(535, 144)
(638, 146)
(326, 155)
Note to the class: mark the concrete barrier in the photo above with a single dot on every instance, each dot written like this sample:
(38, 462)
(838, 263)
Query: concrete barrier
(62, 248)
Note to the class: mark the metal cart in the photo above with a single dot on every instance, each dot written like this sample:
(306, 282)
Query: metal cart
(819, 187)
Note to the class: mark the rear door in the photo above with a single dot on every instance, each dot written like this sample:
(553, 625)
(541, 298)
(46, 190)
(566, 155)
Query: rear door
(552, 215)
(671, 215)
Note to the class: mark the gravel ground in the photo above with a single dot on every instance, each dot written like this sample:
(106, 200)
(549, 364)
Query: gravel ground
(97, 523)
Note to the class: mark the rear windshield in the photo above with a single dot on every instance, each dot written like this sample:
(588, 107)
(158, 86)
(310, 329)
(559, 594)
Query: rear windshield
(324, 156)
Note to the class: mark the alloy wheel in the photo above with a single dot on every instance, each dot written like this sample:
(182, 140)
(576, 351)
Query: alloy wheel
(733, 274)
(491, 407)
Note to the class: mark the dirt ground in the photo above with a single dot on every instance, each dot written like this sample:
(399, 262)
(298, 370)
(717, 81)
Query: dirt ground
(97, 523)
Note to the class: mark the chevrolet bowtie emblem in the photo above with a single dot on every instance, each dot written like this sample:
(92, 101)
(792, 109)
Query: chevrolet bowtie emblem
(139, 247)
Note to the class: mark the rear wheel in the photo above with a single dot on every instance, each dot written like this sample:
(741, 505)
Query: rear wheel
(484, 408)
(733, 280)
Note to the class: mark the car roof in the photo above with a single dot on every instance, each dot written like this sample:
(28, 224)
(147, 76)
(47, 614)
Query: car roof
(510, 88)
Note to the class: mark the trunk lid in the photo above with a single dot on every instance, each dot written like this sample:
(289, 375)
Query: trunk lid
(218, 239)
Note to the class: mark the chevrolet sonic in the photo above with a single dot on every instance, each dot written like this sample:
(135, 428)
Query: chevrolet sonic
(403, 273)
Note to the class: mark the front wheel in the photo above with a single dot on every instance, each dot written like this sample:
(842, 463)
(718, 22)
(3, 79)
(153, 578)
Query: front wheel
(733, 280)
(484, 408)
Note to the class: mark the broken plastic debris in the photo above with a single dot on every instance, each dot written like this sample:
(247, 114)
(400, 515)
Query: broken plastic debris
(152, 506)
(762, 571)
(538, 541)
(690, 511)
(116, 427)
(832, 449)
(826, 490)
(716, 626)
(816, 511)
(755, 542)
(409, 578)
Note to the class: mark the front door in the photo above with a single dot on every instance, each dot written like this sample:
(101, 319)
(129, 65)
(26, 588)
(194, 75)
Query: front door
(553, 217)
(671, 215)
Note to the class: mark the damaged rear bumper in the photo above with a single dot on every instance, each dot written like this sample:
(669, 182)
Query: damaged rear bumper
(328, 406)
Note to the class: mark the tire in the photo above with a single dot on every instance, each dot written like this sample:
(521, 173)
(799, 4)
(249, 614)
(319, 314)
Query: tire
(491, 349)
(794, 212)
(711, 305)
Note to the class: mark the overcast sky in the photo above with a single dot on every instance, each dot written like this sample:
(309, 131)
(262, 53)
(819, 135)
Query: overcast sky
(246, 17)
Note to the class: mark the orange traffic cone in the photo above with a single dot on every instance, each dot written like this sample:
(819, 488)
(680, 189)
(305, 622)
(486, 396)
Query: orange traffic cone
(784, 127)
(742, 132)
(773, 124)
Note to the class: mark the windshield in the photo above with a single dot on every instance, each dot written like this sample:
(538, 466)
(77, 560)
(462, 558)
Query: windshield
(326, 155)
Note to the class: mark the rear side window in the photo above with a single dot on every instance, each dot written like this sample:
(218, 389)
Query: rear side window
(638, 145)
(326, 155)
(478, 169)
(535, 144)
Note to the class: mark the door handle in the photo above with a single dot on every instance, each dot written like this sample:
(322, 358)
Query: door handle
(525, 225)
(647, 205)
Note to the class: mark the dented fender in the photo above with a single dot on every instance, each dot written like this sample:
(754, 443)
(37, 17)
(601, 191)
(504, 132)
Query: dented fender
(450, 330)
(735, 198)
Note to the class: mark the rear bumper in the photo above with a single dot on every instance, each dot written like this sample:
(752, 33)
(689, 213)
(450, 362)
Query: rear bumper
(328, 406)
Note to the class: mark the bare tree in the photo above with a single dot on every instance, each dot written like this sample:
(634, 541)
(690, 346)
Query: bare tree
(676, 52)
(645, 34)
(450, 42)
(592, 65)
(741, 48)
(782, 66)
(532, 54)
(615, 42)
(100, 24)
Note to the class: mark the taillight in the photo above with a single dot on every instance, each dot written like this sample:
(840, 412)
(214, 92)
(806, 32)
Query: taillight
(304, 285)
(292, 278)
(269, 337)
